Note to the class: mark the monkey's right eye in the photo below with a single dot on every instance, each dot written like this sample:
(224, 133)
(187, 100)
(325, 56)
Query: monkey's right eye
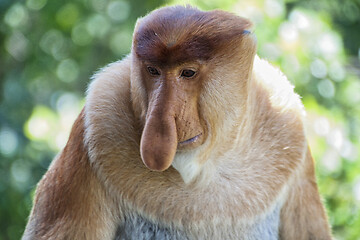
(153, 71)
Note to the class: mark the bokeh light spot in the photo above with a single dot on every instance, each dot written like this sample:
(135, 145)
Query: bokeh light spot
(291, 64)
(271, 51)
(300, 19)
(331, 161)
(336, 139)
(20, 171)
(16, 16)
(356, 189)
(352, 92)
(41, 124)
(289, 35)
(318, 69)
(321, 126)
(348, 151)
(98, 25)
(67, 70)
(67, 15)
(98, 5)
(337, 72)
(17, 46)
(35, 4)
(38, 127)
(288, 32)
(118, 10)
(80, 35)
(329, 44)
(120, 43)
(274, 8)
(52, 42)
(326, 88)
(8, 141)
(67, 107)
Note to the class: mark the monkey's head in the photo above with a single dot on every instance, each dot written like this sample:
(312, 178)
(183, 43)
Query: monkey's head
(189, 68)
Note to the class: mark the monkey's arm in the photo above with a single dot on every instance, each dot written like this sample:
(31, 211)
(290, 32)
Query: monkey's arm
(303, 215)
(70, 202)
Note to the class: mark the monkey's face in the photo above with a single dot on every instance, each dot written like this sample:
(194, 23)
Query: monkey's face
(172, 121)
(175, 55)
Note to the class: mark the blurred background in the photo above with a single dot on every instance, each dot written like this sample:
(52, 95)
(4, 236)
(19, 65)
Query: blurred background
(50, 49)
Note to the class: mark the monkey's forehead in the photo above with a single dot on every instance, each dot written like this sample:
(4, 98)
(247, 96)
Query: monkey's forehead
(176, 34)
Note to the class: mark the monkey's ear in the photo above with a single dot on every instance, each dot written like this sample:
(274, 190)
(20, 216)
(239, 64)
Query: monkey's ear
(247, 33)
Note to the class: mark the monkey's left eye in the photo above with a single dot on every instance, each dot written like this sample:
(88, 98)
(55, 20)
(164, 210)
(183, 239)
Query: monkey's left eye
(187, 73)
(153, 71)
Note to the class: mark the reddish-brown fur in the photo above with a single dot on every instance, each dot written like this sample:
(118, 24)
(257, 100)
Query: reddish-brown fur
(70, 199)
(303, 207)
(202, 35)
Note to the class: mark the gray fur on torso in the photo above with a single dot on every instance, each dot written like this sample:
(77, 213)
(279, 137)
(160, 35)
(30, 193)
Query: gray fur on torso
(138, 228)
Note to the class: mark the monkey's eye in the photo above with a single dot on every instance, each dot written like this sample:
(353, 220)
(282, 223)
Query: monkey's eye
(187, 73)
(153, 71)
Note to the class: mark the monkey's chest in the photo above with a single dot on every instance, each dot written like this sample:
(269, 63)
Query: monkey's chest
(138, 228)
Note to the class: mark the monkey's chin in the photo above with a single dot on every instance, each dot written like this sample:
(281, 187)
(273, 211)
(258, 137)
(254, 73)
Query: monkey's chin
(185, 162)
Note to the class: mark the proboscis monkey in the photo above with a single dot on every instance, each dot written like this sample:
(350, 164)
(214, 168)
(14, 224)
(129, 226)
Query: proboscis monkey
(189, 137)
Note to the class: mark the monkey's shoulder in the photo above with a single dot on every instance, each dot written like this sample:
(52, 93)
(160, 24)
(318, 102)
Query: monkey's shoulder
(108, 101)
(110, 85)
(277, 86)
(108, 117)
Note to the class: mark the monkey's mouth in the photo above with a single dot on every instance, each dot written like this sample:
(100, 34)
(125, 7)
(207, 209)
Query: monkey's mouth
(191, 142)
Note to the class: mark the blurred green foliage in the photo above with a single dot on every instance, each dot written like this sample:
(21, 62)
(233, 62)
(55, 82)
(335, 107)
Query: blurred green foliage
(49, 50)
